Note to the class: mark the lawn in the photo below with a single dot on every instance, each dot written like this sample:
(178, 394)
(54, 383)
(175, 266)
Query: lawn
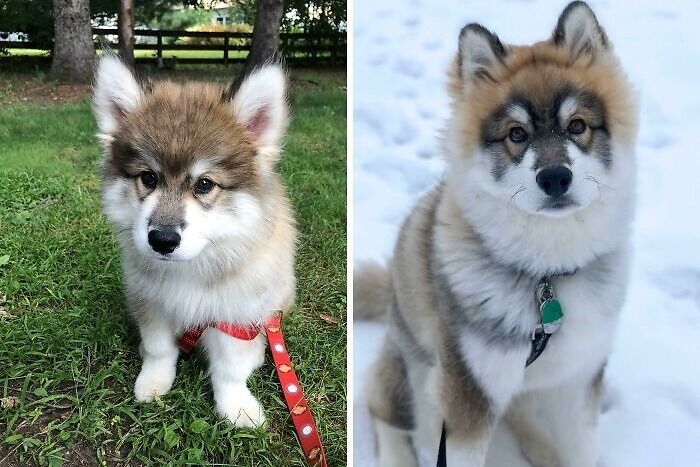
(183, 54)
(147, 53)
(68, 351)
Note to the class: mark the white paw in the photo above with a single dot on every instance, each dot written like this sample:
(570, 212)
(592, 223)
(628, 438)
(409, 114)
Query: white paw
(544, 458)
(151, 383)
(243, 411)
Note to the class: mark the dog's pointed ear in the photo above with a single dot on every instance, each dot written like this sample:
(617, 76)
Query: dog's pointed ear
(480, 52)
(579, 32)
(116, 93)
(260, 105)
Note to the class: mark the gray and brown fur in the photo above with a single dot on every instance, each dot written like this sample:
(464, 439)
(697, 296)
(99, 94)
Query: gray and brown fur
(446, 284)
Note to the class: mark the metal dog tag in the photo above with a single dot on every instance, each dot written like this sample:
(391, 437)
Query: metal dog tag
(551, 313)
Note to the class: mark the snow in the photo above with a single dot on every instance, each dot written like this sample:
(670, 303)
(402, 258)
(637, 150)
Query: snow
(651, 415)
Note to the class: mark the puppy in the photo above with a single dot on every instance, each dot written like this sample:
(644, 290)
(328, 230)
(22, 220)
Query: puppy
(205, 228)
(535, 207)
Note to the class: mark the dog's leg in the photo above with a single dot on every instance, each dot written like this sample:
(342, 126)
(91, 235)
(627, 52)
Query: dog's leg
(231, 361)
(533, 437)
(556, 427)
(159, 353)
(476, 388)
(394, 446)
(390, 398)
(572, 411)
(468, 416)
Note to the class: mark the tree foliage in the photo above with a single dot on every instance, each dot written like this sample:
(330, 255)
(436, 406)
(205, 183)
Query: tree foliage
(35, 17)
(180, 19)
(145, 11)
(32, 17)
(303, 15)
(315, 15)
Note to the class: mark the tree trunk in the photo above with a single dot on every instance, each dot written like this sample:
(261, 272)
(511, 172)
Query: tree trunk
(73, 51)
(125, 25)
(266, 36)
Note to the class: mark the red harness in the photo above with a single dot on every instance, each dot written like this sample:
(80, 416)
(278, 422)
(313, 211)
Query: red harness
(304, 423)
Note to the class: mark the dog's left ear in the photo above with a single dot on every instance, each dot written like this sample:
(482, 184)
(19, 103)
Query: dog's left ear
(578, 31)
(260, 105)
(481, 53)
(116, 93)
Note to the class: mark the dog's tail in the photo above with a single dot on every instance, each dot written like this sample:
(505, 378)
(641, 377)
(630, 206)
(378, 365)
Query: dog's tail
(371, 291)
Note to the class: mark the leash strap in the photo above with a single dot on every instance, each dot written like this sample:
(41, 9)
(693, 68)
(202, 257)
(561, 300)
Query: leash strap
(442, 450)
(304, 423)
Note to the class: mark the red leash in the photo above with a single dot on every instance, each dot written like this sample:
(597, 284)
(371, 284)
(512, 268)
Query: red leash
(304, 423)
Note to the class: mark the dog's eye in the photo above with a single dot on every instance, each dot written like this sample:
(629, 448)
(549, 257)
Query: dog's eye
(517, 134)
(576, 126)
(149, 179)
(203, 186)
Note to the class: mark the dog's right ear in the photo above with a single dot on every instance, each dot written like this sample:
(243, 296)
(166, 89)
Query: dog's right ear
(480, 52)
(116, 93)
(579, 32)
(260, 105)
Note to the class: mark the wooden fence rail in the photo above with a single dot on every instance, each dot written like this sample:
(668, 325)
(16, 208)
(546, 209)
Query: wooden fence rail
(297, 48)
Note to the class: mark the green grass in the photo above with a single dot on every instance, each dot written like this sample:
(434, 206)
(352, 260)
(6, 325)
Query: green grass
(191, 53)
(28, 52)
(69, 352)
(232, 54)
(147, 53)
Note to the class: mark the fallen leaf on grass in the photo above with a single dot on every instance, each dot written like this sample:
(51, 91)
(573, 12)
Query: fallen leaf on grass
(328, 318)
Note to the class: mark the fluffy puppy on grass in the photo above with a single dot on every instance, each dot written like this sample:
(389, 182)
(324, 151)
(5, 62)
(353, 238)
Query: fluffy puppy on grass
(205, 228)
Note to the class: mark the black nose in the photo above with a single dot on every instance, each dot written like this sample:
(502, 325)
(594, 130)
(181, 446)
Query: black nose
(554, 181)
(163, 241)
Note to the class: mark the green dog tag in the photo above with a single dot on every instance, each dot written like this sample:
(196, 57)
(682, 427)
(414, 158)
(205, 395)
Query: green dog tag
(551, 314)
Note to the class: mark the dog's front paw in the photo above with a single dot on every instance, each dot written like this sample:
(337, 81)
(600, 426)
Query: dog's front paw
(151, 383)
(545, 458)
(244, 411)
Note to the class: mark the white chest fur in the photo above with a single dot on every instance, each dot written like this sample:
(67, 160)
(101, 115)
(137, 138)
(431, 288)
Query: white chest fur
(591, 301)
(187, 295)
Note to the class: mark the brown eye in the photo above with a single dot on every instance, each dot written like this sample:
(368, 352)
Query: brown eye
(203, 186)
(149, 179)
(576, 126)
(517, 134)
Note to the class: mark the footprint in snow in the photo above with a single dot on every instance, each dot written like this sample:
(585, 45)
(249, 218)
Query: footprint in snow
(406, 92)
(412, 22)
(432, 44)
(680, 283)
(405, 133)
(376, 59)
(409, 67)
